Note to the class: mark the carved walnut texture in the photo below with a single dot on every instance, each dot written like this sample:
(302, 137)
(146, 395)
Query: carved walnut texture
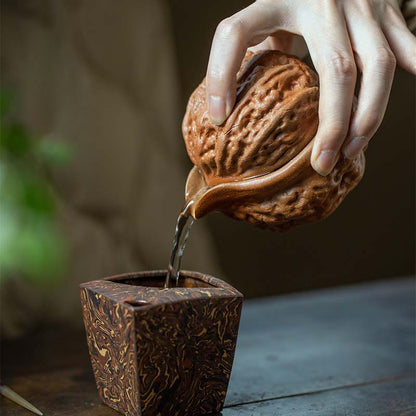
(267, 138)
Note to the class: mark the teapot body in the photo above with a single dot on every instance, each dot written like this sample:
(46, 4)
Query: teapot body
(256, 166)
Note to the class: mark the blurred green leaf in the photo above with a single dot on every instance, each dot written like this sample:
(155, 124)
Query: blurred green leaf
(31, 244)
(14, 140)
(31, 247)
(53, 152)
(5, 102)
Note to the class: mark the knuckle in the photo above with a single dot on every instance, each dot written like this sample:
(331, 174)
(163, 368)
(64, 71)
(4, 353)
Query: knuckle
(326, 4)
(334, 135)
(385, 58)
(370, 124)
(393, 13)
(230, 27)
(216, 74)
(342, 65)
(330, 4)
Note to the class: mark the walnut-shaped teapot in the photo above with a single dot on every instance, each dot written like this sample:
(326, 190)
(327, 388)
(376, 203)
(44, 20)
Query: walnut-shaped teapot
(256, 165)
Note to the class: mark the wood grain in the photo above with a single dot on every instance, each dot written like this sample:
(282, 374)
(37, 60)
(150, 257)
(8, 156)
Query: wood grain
(391, 398)
(329, 338)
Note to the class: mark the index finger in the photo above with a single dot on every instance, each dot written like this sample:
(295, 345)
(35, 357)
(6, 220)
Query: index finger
(232, 38)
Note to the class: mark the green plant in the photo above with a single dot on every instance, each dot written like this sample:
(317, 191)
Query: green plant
(31, 244)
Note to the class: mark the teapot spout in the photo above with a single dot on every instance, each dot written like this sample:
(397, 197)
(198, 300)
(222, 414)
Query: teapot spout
(206, 199)
(202, 198)
(195, 189)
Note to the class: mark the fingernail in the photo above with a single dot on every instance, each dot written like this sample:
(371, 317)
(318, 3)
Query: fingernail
(355, 146)
(324, 163)
(216, 109)
(229, 105)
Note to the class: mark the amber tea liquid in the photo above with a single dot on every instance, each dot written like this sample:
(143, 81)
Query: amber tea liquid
(183, 227)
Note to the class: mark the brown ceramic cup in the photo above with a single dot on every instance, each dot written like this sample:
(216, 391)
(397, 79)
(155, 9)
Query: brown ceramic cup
(156, 351)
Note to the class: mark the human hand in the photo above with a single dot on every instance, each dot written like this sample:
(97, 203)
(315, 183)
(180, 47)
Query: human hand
(342, 36)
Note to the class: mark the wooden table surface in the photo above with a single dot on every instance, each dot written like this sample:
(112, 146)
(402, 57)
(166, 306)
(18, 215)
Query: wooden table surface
(334, 352)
